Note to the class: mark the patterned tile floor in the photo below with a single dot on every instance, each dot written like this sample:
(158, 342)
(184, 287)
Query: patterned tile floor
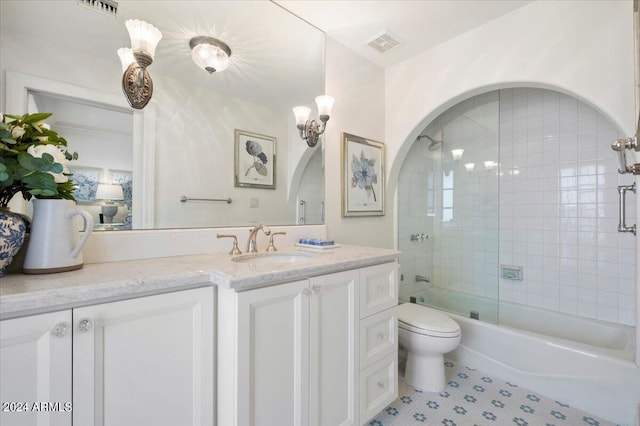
(473, 398)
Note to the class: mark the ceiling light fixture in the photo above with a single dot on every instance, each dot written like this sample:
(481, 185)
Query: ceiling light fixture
(310, 130)
(457, 153)
(136, 81)
(210, 54)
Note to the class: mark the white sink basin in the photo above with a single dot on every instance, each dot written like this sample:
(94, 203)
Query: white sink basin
(272, 258)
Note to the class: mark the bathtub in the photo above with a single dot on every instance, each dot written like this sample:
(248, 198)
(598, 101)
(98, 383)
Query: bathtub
(587, 364)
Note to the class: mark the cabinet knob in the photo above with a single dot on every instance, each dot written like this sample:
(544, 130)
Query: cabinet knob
(306, 292)
(380, 335)
(60, 329)
(85, 325)
(381, 384)
(382, 288)
(316, 289)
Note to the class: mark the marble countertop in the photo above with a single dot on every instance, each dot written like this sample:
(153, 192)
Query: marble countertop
(102, 282)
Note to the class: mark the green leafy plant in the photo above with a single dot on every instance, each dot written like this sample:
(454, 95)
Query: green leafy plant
(33, 159)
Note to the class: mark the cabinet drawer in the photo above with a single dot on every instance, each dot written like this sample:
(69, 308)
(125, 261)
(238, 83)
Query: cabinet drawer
(378, 386)
(378, 336)
(378, 288)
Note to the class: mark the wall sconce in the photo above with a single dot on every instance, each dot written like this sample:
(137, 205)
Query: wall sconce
(136, 81)
(210, 54)
(109, 192)
(469, 167)
(310, 130)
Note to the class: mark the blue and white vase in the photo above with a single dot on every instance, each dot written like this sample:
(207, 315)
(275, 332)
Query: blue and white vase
(12, 231)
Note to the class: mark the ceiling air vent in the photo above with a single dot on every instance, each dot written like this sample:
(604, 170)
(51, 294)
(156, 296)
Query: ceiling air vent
(384, 41)
(108, 7)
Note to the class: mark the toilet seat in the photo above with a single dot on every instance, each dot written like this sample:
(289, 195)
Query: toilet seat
(429, 322)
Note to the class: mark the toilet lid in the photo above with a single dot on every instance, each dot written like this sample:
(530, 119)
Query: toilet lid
(421, 317)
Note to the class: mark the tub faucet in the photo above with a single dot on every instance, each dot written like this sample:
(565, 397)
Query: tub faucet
(422, 278)
(251, 244)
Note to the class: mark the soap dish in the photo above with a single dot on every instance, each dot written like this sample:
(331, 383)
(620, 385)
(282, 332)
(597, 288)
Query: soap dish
(317, 247)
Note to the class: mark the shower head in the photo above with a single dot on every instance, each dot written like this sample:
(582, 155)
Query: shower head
(434, 145)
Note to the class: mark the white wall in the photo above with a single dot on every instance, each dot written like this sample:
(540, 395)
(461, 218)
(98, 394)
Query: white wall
(358, 87)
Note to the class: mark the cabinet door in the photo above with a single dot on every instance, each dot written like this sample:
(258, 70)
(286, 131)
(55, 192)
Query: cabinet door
(333, 344)
(145, 361)
(272, 355)
(35, 367)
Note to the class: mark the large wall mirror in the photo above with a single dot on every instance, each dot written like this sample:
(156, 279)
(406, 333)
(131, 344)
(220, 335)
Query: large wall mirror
(60, 57)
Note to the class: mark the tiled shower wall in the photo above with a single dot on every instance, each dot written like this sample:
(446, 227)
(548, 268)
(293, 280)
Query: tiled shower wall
(556, 215)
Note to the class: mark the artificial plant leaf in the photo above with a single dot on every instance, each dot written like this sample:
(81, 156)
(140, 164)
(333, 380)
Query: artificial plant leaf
(42, 182)
(36, 117)
(4, 173)
(28, 161)
(5, 134)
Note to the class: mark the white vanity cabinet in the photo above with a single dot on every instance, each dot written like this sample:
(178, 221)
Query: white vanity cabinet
(148, 360)
(290, 354)
(35, 368)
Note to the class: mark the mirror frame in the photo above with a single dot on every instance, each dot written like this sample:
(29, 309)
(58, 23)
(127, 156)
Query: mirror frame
(19, 85)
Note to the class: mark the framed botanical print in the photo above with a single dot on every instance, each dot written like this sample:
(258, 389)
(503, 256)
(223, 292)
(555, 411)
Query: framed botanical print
(255, 160)
(362, 176)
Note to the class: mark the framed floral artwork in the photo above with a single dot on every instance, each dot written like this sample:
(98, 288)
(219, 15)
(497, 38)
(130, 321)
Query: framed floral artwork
(362, 176)
(255, 160)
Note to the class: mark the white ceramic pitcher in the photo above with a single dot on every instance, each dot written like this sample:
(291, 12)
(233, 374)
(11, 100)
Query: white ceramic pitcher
(53, 244)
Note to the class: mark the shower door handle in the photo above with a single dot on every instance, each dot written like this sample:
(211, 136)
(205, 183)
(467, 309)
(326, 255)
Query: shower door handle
(620, 146)
(622, 197)
(302, 216)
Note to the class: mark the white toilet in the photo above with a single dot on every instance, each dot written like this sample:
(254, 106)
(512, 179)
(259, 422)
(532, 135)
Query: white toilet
(426, 334)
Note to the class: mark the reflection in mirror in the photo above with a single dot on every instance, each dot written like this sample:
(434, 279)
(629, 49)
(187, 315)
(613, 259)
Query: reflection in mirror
(103, 174)
(277, 63)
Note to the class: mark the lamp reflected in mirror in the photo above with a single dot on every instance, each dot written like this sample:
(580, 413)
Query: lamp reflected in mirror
(210, 54)
(310, 130)
(109, 192)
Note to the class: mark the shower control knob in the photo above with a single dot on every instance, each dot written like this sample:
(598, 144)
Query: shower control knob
(419, 237)
(85, 325)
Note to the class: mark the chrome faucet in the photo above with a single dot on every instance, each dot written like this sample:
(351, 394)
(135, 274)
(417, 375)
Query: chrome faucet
(253, 233)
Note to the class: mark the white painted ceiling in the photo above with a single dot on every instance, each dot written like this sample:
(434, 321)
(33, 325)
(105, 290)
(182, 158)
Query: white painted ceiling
(419, 24)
